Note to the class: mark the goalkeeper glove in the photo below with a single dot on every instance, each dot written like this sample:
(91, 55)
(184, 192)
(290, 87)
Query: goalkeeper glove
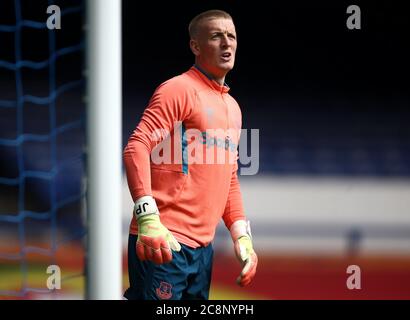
(242, 238)
(155, 241)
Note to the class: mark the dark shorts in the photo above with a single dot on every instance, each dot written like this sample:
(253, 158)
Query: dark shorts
(186, 277)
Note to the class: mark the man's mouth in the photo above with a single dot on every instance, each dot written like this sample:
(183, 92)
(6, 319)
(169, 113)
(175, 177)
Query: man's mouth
(226, 56)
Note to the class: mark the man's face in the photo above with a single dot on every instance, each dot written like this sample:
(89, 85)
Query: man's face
(216, 46)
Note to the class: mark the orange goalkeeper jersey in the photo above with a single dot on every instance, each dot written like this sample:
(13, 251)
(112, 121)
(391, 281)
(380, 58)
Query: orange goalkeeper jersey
(184, 153)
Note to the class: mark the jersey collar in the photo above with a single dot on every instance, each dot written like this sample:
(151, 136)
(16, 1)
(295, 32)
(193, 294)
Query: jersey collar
(209, 79)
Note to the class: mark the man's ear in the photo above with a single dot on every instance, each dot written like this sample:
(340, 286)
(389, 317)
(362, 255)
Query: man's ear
(194, 47)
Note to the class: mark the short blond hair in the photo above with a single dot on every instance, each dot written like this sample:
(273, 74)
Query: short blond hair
(210, 14)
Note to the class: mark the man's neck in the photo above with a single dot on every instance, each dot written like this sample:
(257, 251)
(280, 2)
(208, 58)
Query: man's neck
(219, 79)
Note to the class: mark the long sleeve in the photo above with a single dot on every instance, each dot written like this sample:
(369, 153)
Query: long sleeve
(234, 206)
(168, 105)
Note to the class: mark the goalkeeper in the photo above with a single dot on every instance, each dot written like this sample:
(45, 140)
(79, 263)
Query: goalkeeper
(179, 201)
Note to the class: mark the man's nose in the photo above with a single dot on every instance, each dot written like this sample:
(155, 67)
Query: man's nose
(226, 41)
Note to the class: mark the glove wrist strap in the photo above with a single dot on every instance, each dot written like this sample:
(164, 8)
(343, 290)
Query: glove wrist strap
(240, 228)
(144, 206)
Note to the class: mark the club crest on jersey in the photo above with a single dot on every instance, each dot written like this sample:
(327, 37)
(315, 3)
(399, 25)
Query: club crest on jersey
(164, 291)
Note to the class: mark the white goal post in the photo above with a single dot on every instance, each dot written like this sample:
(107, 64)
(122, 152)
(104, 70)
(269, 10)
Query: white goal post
(104, 154)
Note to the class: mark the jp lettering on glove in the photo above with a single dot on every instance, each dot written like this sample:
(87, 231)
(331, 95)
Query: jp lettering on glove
(242, 239)
(155, 241)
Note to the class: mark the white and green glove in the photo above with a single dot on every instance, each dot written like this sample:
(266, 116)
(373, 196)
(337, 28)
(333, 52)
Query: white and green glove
(155, 241)
(242, 239)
